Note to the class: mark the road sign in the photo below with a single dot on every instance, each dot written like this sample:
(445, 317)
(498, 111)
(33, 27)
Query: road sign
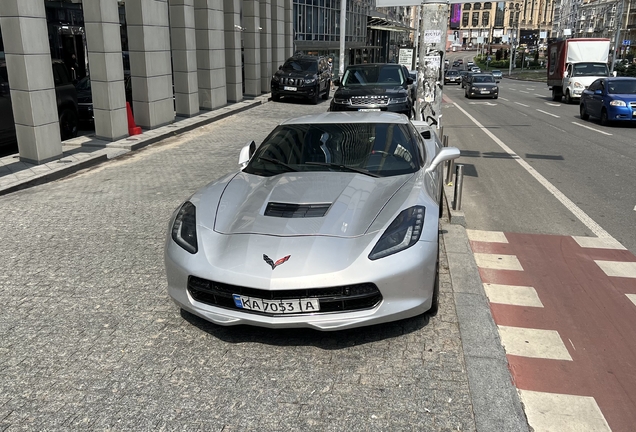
(627, 42)
(488, 59)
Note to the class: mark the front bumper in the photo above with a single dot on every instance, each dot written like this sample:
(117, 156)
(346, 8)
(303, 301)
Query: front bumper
(400, 108)
(405, 280)
(616, 113)
(483, 93)
(452, 80)
(307, 92)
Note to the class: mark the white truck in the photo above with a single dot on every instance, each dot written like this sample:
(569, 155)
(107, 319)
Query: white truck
(573, 64)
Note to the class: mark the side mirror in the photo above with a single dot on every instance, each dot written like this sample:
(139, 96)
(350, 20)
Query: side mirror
(409, 81)
(565, 74)
(598, 92)
(246, 154)
(280, 67)
(336, 82)
(445, 154)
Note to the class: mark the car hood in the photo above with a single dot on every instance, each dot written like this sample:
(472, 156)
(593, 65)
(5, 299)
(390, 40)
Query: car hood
(296, 74)
(347, 92)
(487, 84)
(350, 202)
(627, 97)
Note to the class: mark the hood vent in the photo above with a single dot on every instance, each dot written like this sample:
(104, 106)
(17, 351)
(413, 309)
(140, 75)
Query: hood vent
(296, 210)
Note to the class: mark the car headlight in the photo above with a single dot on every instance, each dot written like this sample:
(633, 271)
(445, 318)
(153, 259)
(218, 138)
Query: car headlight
(276, 78)
(341, 101)
(578, 85)
(403, 233)
(310, 80)
(398, 100)
(184, 229)
(618, 103)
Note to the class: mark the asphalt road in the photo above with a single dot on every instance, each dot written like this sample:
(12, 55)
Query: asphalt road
(591, 165)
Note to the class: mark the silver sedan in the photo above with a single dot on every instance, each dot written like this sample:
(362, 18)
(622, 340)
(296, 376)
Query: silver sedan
(331, 223)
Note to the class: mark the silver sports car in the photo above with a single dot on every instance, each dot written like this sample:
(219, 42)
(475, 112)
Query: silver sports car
(331, 223)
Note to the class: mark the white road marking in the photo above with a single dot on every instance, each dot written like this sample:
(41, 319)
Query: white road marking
(552, 104)
(634, 208)
(632, 297)
(540, 95)
(482, 103)
(618, 268)
(525, 115)
(486, 236)
(504, 99)
(535, 343)
(580, 214)
(512, 295)
(598, 243)
(521, 91)
(497, 262)
(572, 343)
(519, 103)
(561, 412)
(550, 114)
(559, 129)
(591, 128)
(529, 88)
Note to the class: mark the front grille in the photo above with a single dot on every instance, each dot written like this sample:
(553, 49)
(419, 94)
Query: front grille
(632, 105)
(291, 81)
(332, 299)
(296, 210)
(369, 100)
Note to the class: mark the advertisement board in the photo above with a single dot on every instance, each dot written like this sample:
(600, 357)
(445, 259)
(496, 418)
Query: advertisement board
(405, 57)
(455, 16)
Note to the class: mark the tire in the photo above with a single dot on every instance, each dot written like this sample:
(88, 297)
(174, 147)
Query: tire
(556, 95)
(568, 98)
(583, 112)
(604, 119)
(316, 98)
(326, 95)
(69, 122)
(495, 97)
(275, 97)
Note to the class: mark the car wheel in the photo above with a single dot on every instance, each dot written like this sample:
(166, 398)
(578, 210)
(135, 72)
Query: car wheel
(275, 97)
(316, 98)
(68, 124)
(326, 95)
(568, 98)
(556, 95)
(604, 119)
(583, 112)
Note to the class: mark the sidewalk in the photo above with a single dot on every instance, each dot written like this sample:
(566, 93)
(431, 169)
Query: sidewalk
(85, 151)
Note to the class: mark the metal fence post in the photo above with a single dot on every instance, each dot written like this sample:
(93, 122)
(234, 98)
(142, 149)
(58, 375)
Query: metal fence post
(459, 183)
(449, 172)
(445, 140)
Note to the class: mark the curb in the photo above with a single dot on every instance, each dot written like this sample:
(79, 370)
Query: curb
(496, 403)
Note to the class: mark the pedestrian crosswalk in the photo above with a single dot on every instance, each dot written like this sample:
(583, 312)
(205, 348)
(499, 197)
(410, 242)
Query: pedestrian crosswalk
(562, 306)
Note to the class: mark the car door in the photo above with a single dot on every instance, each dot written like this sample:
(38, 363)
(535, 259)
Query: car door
(594, 102)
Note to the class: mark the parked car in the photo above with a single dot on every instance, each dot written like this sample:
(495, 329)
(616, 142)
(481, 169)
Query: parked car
(331, 223)
(452, 76)
(85, 98)
(65, 96)
(481, 85)
(302, 76)
(374, 87)
(497, 74)
(610, 100)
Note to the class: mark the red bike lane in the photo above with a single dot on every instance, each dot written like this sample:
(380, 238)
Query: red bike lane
(566, 312)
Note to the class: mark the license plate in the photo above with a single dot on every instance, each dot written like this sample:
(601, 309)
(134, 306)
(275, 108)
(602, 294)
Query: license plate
(290, 88)
(369, 109)
(288, 306)
(485, 92)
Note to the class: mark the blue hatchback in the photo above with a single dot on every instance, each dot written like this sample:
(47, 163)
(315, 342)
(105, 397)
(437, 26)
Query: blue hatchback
(610, 99)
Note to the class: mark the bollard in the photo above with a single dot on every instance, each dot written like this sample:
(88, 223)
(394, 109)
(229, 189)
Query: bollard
(441, 131)
(444, 140)
(449, 172)
(459, 183)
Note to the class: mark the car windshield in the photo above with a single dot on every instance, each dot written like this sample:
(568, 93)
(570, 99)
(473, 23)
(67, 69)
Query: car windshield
(380, 149)
(300, 65)
(483, 79)
(496, 72)
(83, 84)
(366, 75)
(452, 72)
(622, 87)
(590, 69)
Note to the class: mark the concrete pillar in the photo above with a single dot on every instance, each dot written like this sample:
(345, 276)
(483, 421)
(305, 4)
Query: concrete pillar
(266, 44)
(105, 61)
(28, 58)
(209, 23)
(289, 28)
(184, 57)
(252, 47)
(150, 68)
(278, 34)
(233, 63)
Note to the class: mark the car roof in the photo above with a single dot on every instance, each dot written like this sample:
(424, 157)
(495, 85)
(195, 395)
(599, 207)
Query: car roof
(349, 117)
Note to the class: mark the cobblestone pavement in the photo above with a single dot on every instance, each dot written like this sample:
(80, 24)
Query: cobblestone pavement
(90, 340)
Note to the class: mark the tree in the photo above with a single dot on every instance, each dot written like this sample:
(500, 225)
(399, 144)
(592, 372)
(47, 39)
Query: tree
(498, 55)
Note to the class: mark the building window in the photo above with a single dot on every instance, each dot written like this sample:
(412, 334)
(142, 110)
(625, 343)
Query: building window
(477, 6)
(488, 6)
(465, 19)
(475, 19)
(485, 19)
(499, 14)
(466, 6)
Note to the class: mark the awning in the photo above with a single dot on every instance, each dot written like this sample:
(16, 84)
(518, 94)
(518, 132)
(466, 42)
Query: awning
(379, 23)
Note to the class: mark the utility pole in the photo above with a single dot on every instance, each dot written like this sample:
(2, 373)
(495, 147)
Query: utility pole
(343, 34)
(617, 34)
(432, 49)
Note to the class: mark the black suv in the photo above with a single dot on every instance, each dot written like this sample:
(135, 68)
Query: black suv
(374, 87)
(302, 76)
(65, 95)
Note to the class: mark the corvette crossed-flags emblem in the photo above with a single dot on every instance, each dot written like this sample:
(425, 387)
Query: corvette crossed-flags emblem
(269, 261)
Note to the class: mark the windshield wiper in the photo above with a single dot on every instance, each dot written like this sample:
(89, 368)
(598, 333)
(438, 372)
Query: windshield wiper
(343, 167)
(277, 162)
